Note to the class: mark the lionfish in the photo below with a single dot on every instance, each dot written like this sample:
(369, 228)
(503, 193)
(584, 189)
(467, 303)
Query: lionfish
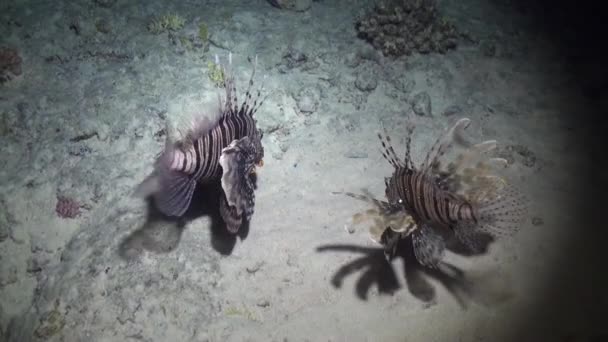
(227, 148)
(465, 197)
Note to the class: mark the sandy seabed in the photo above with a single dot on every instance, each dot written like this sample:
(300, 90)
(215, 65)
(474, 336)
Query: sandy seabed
(87, 117)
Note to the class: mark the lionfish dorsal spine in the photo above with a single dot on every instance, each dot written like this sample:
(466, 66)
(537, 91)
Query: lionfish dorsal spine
(442, 144)
(408, 148)
(388, 152)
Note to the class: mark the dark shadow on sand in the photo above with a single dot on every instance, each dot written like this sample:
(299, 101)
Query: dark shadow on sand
(377, 270)
(162, 234)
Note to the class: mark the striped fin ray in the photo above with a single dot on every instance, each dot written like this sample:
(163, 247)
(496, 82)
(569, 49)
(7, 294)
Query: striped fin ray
(230, 102)
(252, 104)
(388, 152)
(408, 147)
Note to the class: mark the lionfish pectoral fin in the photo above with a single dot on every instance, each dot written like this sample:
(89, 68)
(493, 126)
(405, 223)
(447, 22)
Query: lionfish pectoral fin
(171, 189)
(174, 193)
(470, 169)
(375, 233)
(466, 233)
(428, 246)
(238, 201)
(389, 240)
(232, 218)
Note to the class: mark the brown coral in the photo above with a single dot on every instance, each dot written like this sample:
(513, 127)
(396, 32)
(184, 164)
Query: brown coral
(67, 207)
(10, 63)
(401, 27)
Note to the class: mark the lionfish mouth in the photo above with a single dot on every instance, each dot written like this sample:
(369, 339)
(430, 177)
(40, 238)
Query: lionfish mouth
(254, 169)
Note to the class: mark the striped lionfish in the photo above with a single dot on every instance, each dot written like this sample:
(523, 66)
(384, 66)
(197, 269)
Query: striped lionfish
(465, 196)
(227, 149)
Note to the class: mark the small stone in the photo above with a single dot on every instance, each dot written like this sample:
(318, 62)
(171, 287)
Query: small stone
(529, 158)
(79, 150)
(366, 80)
(405, 85)
(351, 60)
(40, 243)
(345, 123)
(19, 236)
(8, 274)
(292, 260)
(537, 221)
(293, 5)
(421, 104)
(3, 318)
(294, 58)
(5, 230)
(308, 100)
(255, 267)
(452, 110)
(35, 264)
(51, 324)
(103, 26)
(263, 303)
(103, 132)
(105, 3)
(355, 154)
(488, 49)
(349, 229)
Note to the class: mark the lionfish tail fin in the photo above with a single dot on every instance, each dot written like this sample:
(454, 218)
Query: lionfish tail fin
(503, 213)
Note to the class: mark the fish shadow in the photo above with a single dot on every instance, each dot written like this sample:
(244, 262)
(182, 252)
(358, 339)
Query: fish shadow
(376, 270)
(162, 234)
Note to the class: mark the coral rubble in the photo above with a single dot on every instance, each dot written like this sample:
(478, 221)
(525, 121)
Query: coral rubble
(401, 27)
